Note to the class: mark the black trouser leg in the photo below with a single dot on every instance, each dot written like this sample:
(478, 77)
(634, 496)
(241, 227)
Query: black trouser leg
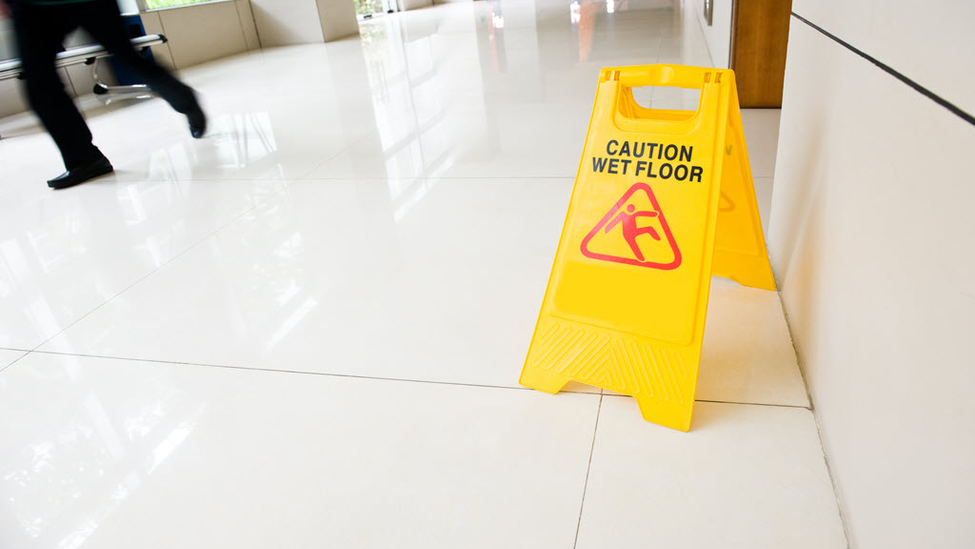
(104, 22)
(39, 36)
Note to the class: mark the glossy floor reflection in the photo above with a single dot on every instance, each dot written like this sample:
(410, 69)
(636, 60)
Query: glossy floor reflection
(306, 329)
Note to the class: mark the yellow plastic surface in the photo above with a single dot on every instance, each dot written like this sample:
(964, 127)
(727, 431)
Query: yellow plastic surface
(662, 200)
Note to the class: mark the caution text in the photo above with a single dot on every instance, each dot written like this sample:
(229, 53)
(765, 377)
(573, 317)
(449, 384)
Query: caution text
(651, 160)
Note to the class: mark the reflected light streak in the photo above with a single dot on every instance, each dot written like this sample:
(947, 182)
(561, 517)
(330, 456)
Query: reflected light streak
(165, 448)
(136, 213)
(133, 479)
(292, 321)
(63, 487)
(421, 191)
(292, 290)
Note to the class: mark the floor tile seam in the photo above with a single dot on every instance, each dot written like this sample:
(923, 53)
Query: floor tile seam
(585, 486)
(285, 180)
(444, 178)
(844, 521)
(795, 348)
(202, 179)
(467, 181)
(333, 157)
(18, 359)
(832, 481)
(362, 377)
(298, 372)
(735, 402)
(258, 202)
(765, 404)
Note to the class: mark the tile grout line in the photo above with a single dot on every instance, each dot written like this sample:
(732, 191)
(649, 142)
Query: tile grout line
(768, 404)
(299, 372)
(449, 177)
(18, 359)
(368, 377)
(258, 203)
(819, 431)
(306, 179)
(361, 377)
(832, 482)
(304, 176)
(585, 486)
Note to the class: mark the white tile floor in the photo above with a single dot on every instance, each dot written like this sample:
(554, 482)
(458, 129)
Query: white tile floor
(306, 330)
(9, 357)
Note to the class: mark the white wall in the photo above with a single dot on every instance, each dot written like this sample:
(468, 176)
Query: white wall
(291, 22)
(202, 32)
(930, 42)
(338, 19)
(287, 22)
(718, 34)
(871, 239)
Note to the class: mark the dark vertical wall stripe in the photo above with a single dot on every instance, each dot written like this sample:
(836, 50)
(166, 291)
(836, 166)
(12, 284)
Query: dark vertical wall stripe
(889, 70)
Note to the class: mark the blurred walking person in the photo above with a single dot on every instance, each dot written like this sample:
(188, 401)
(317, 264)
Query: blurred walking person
(41, 26)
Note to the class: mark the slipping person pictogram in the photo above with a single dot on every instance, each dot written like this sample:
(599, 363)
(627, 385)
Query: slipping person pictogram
(626, 214)
(627, 221)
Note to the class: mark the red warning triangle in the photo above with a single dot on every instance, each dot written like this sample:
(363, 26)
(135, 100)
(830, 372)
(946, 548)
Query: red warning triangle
(634, 232)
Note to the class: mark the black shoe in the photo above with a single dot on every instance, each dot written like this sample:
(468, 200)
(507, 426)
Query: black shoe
(82, 173)
(198, 123)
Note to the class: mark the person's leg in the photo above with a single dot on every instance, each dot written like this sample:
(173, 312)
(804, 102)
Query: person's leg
(103, 21)
(39, 34)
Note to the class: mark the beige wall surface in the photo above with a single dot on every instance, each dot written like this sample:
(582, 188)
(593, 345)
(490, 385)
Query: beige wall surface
(338, 19)
(11, 98)
(291, 22)
(246, 16)
(201, 33)
(287, 22)
(871, 239)
(7, 40)
(152, 23)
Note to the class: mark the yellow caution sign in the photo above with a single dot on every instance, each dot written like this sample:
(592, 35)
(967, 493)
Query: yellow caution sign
(663, 199)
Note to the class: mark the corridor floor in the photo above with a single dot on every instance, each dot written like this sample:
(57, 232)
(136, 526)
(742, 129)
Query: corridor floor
(306, 330)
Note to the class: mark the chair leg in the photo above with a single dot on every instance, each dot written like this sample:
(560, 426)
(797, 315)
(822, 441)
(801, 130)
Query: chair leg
(100, 88)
